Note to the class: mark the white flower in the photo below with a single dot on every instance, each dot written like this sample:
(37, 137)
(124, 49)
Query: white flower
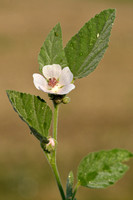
(55, 81)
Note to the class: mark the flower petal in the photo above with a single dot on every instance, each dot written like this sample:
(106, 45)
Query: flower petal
(39, 81)
(66, 89)
(49, 91)
(66, 76)
(50, 71)
(44, 89)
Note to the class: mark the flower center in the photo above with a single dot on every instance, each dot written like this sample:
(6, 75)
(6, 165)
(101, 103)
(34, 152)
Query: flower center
(52, 82)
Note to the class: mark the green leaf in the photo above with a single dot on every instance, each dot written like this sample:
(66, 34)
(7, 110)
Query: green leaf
(85, 50)
(34, 111)
(69, 185)
(52, 50)
(102, 169)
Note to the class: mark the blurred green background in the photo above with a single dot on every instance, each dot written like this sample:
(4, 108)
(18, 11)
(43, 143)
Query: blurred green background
(100, 115)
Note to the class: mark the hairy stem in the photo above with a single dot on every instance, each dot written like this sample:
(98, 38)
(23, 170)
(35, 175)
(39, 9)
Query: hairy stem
(53, 158)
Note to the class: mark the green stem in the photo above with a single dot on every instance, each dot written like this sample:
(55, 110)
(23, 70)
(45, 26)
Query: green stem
(56, 173)
(56, 109)
(53, 158)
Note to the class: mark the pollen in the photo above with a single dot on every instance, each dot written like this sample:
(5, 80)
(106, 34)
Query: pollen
(52, 82)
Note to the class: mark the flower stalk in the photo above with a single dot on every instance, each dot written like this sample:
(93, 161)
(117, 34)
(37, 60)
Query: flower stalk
(52, 158)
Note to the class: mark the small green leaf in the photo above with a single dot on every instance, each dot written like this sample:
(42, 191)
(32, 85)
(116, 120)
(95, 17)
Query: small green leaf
(52, 50)
(85, 50)
(69, 185)
(102, 169)
(34, 111)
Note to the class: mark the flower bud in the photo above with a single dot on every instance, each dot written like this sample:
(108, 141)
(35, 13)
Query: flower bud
(66, 100)
(58, 101)
(51, 145)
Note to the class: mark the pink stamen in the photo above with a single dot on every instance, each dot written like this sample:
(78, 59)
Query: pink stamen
(52, 82)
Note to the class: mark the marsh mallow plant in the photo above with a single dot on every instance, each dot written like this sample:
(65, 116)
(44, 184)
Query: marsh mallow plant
(59, 69)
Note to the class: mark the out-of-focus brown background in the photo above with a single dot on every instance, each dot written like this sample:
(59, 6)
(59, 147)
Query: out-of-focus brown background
(100, 115)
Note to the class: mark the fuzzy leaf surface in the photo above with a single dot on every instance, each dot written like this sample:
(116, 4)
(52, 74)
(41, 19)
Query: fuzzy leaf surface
(85, 50)
(52, 51)
(34, 111)
(102, 169)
